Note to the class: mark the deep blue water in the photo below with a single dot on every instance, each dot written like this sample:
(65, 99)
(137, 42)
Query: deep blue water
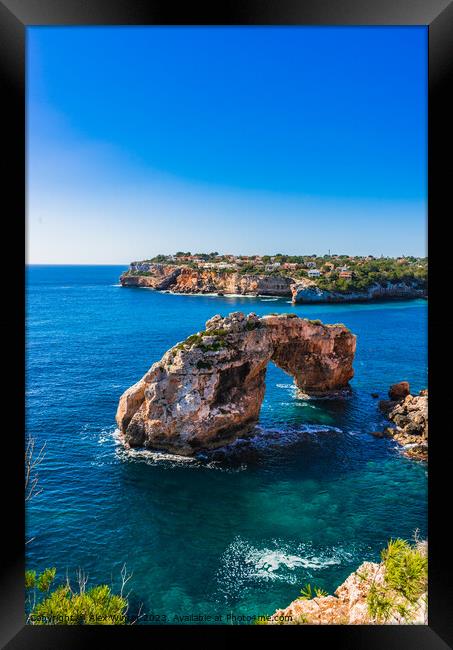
(307, 500)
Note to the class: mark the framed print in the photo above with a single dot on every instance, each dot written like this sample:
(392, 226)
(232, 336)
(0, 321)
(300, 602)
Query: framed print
(226, 345)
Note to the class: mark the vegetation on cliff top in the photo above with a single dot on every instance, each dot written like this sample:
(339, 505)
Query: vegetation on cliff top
(196, 340)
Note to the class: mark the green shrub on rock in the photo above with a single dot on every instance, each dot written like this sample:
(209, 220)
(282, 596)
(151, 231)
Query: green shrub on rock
(405, 581)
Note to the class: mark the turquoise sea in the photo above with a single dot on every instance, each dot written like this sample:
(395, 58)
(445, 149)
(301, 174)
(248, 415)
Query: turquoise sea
(309, 498)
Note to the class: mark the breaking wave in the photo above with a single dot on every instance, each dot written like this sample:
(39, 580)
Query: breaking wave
(245, 565)
(233, 457)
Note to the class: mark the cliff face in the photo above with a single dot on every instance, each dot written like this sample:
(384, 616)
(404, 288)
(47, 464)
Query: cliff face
(347, 607)
(187, 280)
(160, 276)
(191, 281)
(208, 390)
(309, 292)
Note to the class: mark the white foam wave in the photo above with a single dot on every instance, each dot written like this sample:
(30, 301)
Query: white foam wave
(153, 457)
(244, 564)
(192, 295)
(341, 394)
(303, 404)
(268, 441)
(227, 458)
(239, 295)
(161, 458)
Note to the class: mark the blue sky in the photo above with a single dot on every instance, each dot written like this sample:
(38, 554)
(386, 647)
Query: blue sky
(246, 140)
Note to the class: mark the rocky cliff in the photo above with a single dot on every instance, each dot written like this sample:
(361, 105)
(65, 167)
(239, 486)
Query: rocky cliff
(186, 280)
(207, 390)
(303, 292)
(156, 276)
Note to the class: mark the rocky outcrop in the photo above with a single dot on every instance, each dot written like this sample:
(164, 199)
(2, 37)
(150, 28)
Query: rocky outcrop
(409, 414)
(303, 292)
(350, 605)
(399, 391)
(153, 276)
(181, 279)
(207, 390)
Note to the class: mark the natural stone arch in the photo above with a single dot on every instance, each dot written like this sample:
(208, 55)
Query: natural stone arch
(208, 389)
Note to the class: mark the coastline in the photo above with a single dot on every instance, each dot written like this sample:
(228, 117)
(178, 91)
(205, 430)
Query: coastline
(301, 279)
(273, 297)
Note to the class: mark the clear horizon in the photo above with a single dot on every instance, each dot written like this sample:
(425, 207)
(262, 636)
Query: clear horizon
(148, 140)
(320, 256)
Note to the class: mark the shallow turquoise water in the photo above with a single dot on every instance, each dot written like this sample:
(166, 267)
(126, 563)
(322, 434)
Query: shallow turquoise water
(306, 500)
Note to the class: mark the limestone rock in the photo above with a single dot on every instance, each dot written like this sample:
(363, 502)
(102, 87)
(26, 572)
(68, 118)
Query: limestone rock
(307, 291)
(410, 418)
(399, 391)
(349, 605)
(182, 279)
(207, 390)
(156, 276)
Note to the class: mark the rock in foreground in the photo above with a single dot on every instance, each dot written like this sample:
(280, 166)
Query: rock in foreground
(393, 591)
(207, 390)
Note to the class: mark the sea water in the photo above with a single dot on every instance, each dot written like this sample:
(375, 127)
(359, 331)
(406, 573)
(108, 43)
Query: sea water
(307, 499)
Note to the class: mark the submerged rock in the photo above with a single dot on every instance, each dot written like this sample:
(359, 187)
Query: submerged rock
(207, 390)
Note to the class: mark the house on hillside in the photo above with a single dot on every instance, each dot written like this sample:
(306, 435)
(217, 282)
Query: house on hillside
(272, 267)
(345, 273)
(314, 273)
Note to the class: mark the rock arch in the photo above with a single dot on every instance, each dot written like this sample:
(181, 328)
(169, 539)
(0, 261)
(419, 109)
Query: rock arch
(208, 390)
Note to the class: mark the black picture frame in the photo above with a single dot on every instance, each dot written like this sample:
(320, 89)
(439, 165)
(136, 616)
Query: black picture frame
(15, 16)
